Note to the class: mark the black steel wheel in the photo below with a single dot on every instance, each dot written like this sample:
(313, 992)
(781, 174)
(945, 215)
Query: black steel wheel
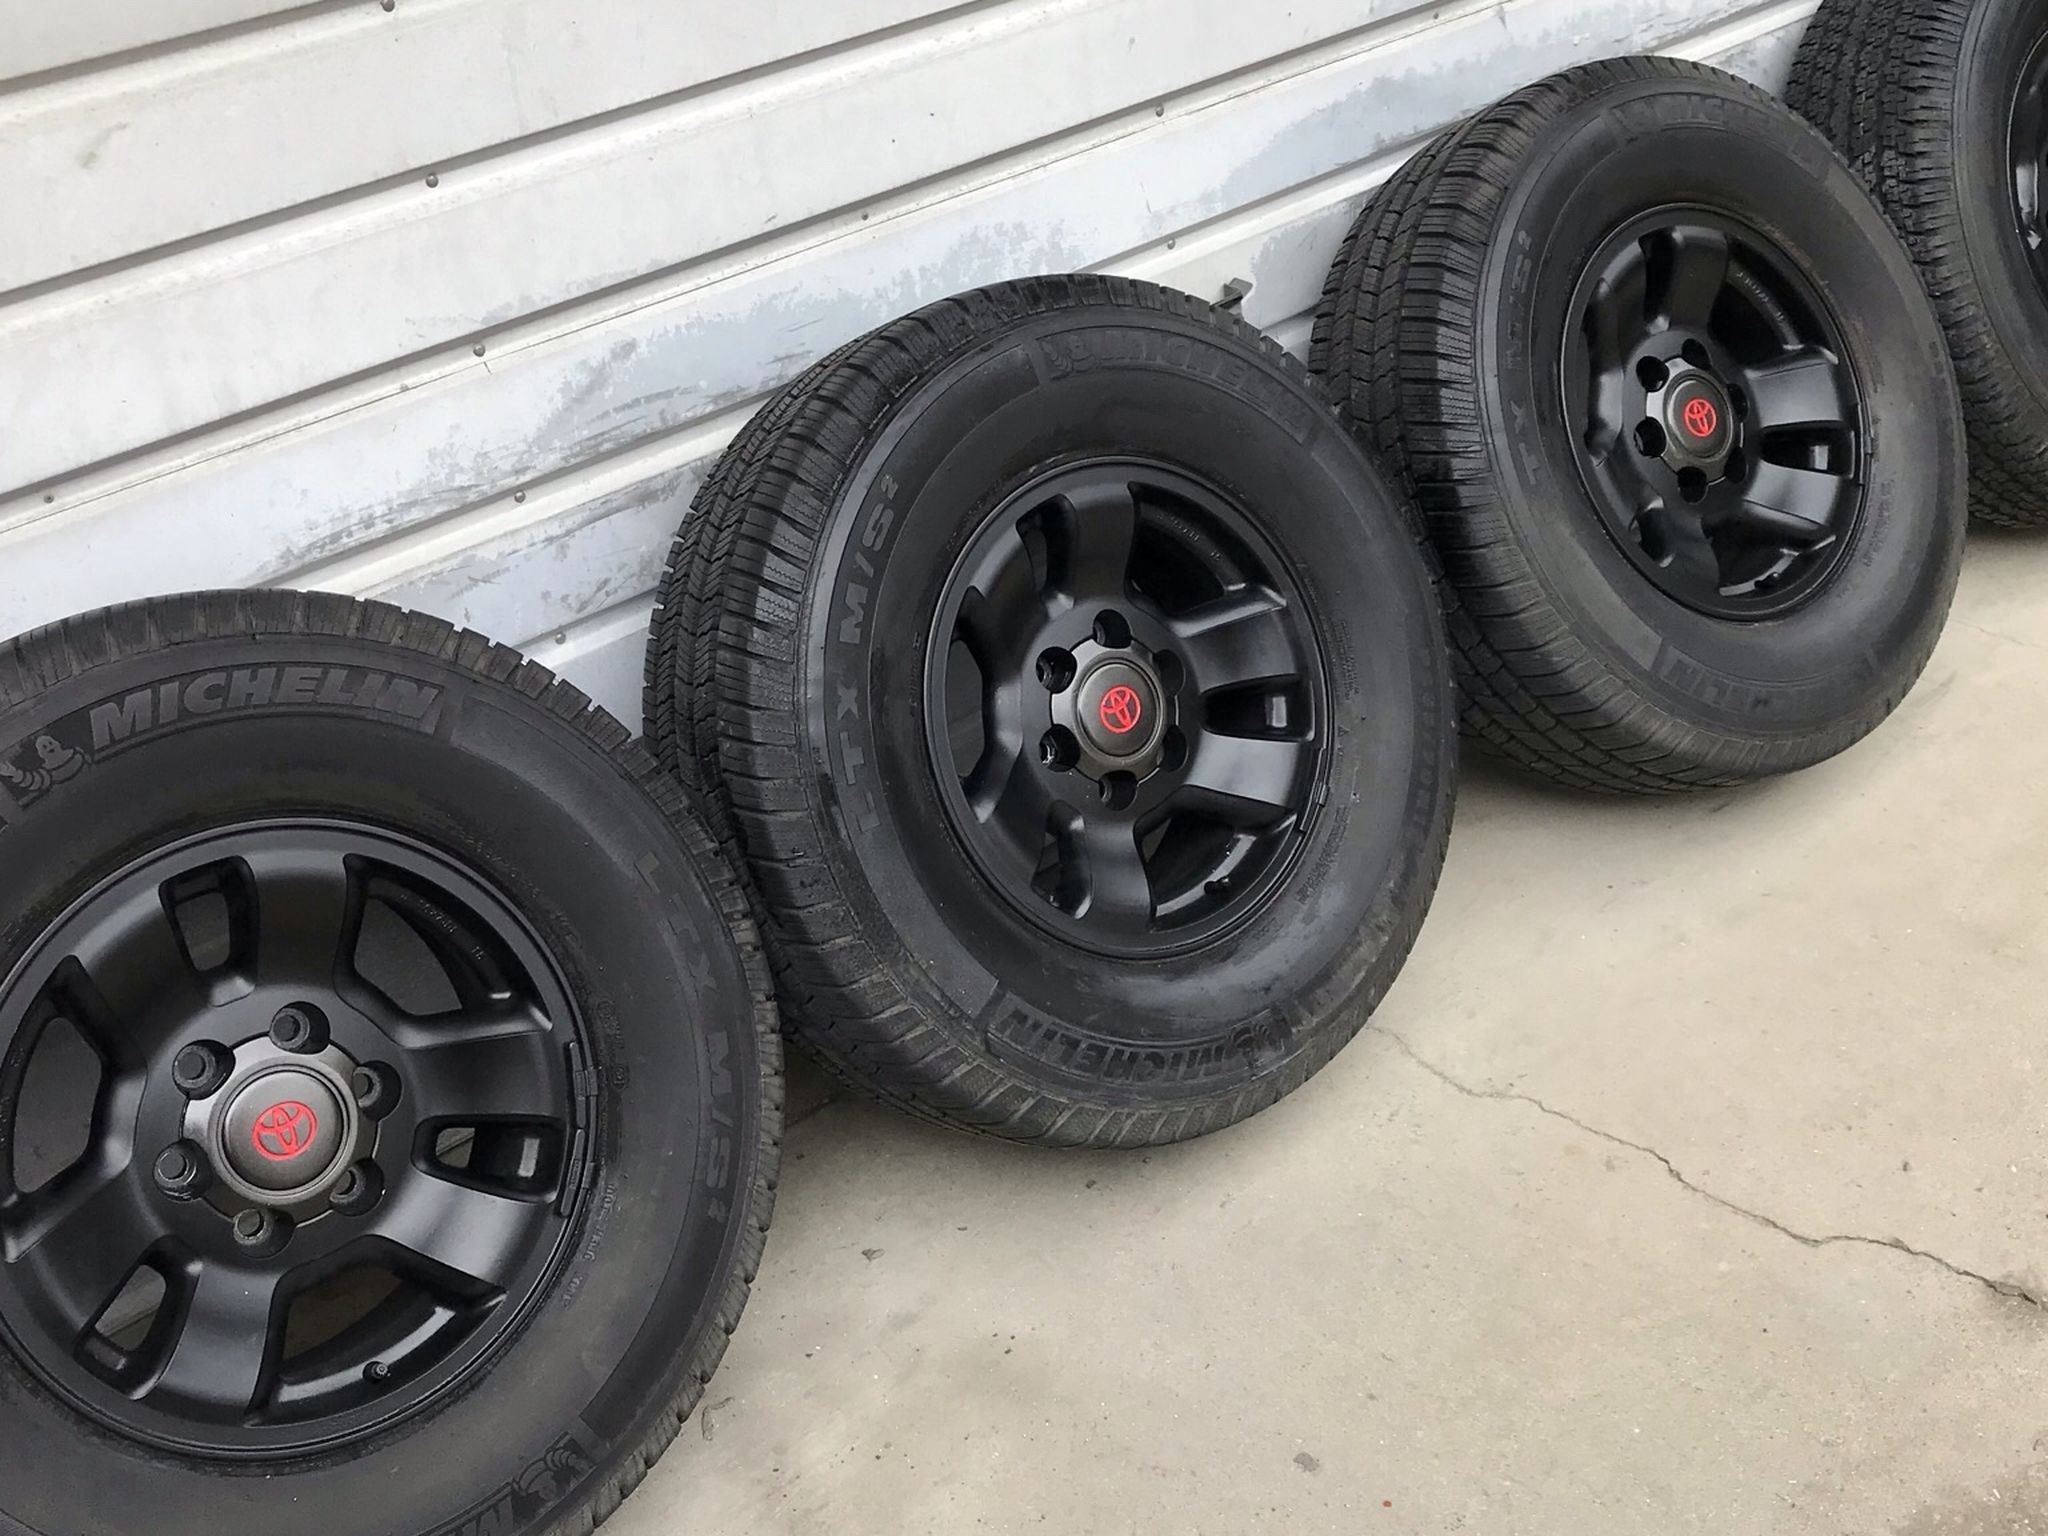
(1127, 708)
(1717, 420)
(1682, 432)
(386, 1080)
(1941, 106)
(1076, 694)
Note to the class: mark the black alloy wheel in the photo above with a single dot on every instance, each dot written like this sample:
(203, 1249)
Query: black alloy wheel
(1941, 107)
(271, 1121)
(1683, 432)
(1075, 694)
(2026, 156)
(1718, 424)
(1125, 692)
(388, 1081)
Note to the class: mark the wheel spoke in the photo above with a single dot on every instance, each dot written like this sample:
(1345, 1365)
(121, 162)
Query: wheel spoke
(1090, 540)
(1690, 553)
(133, 982)
(1007, 792)
(1117, 884)
(998, 616)
(1799, 504)
(466, 1237)
(82, 1235)
(1694, 271)
(1245, 780)
(220, 1361)
(507, 1067)
(1620, 311)
(1238, 638)
(308, 911)
(1800, 389)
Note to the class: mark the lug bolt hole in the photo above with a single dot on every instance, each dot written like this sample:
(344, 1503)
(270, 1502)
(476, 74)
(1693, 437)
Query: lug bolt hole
(1692, 484)
(1111, 632)
(200, 1068)
(1118, 790)
(262, 1232)
(1055, 670)
(361, 1187)
(1058, 750)
(300, 1028)
(1652, 374)
(376, 1090)
(1649, 437)
(1696, 354)
(181, 1171)
(1173, 750)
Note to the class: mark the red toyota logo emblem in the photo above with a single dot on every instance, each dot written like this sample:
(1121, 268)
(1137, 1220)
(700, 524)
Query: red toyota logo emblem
(1700, 417)
(284, 1130)
(1120, 710)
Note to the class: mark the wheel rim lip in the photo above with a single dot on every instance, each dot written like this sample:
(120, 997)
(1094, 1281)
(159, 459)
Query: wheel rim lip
(1245, 906)
(2026, 159)
(457, 1368)
(1750, 244)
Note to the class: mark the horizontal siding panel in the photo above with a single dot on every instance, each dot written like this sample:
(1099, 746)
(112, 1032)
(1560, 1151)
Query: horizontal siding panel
(36, 35)
(172, 147)
(532, 493)
(236, 324)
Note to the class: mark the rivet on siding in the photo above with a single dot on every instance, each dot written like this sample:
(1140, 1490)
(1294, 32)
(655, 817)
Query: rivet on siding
(1171, 243)
(390, 5)
(48, 497)
(519, 495)
(1160, 110)
(433, 181)
(561, 637)
(478, 349)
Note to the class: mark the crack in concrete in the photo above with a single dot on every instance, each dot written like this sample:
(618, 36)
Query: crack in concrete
(2009, 1289)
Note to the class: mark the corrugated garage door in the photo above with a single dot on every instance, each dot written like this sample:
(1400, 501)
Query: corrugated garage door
(450, 301)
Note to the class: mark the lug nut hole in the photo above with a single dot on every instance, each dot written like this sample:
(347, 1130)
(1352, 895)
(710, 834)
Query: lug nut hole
(1111, 632)
(1058, 750)
(1118, 790)
(1696, 354)
(1649, 436)
(1172, 675)
(300, 1028)
(1055, 670)
(1652, 374)
(200, 1068)
(1692, 484)
(1173, 750)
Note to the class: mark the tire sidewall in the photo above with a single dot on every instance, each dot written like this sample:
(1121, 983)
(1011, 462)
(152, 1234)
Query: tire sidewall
(1996, 42)
(1069, 384)
(1840, 655)
(586, 856)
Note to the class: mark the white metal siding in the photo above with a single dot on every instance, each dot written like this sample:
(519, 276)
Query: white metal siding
(452, 303)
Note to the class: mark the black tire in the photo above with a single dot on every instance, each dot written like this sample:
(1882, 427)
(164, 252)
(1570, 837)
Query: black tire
(1442, 332)
(612, 1195)
(1921, 97)
(897, 958)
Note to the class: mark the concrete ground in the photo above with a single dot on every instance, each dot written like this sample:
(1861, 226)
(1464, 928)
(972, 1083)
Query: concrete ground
(1691, 1179)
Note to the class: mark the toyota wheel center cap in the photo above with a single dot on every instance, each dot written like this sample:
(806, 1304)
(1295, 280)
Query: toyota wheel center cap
(1119, 709)
(1697, 418)
(283, 1130)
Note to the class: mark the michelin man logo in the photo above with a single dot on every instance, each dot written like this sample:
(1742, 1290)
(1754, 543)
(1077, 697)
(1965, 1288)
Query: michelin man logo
(46, 764)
